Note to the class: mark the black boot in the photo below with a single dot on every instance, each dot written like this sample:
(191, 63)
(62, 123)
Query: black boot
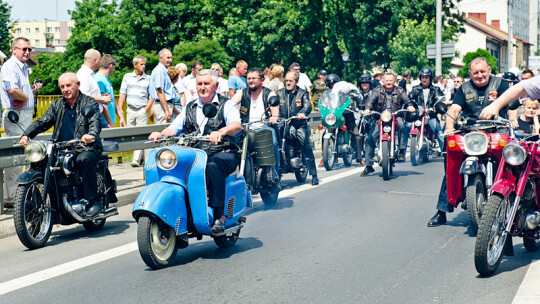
(314, 180)
(95, 208)
(438, 219)
(369, 169)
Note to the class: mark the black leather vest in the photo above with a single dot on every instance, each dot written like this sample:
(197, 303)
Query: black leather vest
(245, 103)
(472, 98)
(213, 124)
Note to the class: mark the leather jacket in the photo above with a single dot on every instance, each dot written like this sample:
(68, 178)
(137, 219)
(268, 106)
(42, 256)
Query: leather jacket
(377, 100)
(55, 114)
(417, 94)
(300, 104)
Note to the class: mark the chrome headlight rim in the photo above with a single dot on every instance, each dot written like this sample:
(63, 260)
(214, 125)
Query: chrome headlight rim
(418, 123)
(166, 159)
(470, 148)
(330, 119)
(386, 116)
(514, 154)
(387, 129)
(35, 151)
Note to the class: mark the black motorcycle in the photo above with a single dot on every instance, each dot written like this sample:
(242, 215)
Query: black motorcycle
(292, 159)
(51, 190)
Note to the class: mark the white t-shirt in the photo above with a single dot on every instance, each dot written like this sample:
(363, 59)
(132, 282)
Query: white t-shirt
(190, 83)
(223, 86)
(256, 110)
(89, 85)
(304, 82)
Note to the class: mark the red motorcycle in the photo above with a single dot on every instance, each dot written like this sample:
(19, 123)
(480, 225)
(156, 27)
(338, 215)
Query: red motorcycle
(513, 208)
(388, 147)
(473, 152)
(422, 139)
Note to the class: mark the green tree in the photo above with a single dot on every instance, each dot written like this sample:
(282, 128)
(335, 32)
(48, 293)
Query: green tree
(492, 61)
(206, 51)
(6, 27)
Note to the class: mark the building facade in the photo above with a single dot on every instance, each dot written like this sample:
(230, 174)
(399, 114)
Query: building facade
(45, 34)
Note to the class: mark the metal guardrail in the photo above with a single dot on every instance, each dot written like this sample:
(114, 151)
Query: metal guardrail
(128, 138)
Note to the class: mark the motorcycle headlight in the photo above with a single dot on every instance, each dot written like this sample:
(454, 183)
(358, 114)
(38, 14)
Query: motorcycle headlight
(330, 119)
(476, 143)
(34, 151)
(166, 159)
(514, 154)
(418, 123)
(386, 116)
(387, 129)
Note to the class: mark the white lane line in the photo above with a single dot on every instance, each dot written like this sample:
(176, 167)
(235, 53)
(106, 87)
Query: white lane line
(59, 270)
(528, 291)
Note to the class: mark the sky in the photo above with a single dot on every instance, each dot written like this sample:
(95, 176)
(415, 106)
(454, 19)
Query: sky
(39, 10)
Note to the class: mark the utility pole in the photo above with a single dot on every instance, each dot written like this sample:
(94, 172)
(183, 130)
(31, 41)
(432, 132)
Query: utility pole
(438, 39)
(510, 36)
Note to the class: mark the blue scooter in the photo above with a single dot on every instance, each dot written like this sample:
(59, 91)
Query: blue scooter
(173, 206)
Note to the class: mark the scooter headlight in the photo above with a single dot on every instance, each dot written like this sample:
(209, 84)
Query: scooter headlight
(418, 123)
(35, 151)
(387, 129)
(386, 116)
(330, 119)
(514, 154)
(166, 159)
(476, 143)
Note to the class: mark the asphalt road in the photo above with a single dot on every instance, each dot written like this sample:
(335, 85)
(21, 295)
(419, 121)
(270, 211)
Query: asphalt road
(351, 239)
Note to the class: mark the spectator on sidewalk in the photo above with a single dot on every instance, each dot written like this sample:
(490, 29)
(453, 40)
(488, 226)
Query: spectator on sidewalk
(161, 88)
(277, 80)
(319, 86)
(17, 96)
(134, 90)
(303, 81)
(190, 83)
(238, 81)
(178, 101)
(106, 68)
(223, 84)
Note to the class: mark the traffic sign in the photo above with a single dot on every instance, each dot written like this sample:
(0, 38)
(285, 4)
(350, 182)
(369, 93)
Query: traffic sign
(448, 50)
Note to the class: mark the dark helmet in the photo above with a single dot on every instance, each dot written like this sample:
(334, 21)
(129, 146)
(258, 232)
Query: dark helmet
(331, 78)
(365, 78)
(425, 71)
(510, 77)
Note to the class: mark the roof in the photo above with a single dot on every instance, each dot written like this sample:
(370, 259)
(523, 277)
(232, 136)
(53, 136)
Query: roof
(490, 30)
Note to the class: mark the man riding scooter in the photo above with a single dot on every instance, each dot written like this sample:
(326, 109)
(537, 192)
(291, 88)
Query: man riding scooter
(226, 122)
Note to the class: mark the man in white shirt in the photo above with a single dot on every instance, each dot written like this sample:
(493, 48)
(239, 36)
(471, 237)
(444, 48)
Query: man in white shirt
(190, 83)
(223, 88)
(303, 81)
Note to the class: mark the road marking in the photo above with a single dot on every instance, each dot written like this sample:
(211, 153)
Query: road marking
(528, 291)
(412, 193)
(59, 270)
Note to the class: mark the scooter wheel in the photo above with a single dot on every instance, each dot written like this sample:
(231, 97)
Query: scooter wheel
(225, 241)
(157, 242)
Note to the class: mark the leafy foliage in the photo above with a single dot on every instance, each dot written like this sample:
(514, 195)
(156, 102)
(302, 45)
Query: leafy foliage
(5, 27)
(206, 51)
(492, 61)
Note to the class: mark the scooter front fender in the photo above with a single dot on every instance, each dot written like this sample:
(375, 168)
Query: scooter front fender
(414, 132)
(504, 187)
(166, 201)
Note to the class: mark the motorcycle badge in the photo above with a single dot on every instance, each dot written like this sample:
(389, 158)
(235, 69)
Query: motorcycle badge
(492, 96)
(298, 103)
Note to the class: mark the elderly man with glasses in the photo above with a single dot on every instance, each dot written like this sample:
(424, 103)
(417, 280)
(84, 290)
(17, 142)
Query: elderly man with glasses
(17, 96)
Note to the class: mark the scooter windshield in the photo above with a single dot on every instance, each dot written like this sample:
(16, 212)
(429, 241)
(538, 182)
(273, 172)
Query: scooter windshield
(333, 99)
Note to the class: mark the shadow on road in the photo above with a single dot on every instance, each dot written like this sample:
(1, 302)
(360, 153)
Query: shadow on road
(282, 203)
(78, 232)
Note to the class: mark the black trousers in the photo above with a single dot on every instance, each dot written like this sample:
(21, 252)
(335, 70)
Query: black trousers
(218, 167)
(86, 164)
(302, 135)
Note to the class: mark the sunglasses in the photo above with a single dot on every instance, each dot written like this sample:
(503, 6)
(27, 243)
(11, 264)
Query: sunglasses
(24, 49)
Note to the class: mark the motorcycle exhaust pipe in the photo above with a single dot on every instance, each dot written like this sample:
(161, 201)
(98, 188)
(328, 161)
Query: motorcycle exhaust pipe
(296, 162)
(532, 220)
(343, 148)
(107, 213)
(69, 209)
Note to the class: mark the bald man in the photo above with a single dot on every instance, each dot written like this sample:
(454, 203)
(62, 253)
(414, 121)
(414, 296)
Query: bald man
(68, 124)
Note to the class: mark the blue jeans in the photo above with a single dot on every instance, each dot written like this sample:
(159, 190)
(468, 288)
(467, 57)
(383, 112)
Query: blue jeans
(435, 127)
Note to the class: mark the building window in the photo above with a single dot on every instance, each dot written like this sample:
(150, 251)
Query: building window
(56, 41)
(19, 31)
(49, 30)
(37, 30)
(57, 30)
(70, 29)
(37, 42)
(28, 30)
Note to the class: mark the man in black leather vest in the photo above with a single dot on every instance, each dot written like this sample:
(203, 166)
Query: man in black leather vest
(226, 122)
(64, 115)
(295, 102)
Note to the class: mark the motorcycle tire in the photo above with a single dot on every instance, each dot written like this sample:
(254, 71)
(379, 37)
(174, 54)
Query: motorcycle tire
(329, 157)
(227, 241)
(385, 163)
(156, 241)
(101, 187)
(531, 245)
(488, 249)
(415, 151)
(32, 218)
(475, 200)
(302, 173)
(270, 198)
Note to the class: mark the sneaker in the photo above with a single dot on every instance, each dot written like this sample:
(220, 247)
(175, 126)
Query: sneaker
(369, 169)
(135, 164)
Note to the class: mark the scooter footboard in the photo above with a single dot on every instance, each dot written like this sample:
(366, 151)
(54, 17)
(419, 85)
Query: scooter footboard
(504, 187)
(236, 198)
(165, 201)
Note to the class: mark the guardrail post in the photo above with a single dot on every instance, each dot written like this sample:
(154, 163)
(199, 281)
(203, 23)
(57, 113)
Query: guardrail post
(1, 191)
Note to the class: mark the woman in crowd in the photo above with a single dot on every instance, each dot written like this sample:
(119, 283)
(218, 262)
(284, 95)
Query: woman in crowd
(277, 80)
(528, 122)
(178, 102)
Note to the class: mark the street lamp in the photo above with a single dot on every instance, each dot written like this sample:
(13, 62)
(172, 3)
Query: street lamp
(345, 57)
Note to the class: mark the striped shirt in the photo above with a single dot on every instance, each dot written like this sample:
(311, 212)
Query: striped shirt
(136, 89)
(14, 75)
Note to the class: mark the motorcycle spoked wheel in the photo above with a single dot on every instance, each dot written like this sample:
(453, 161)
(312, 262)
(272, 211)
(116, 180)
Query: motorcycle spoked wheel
(488, 249)
(475, 200)
(386, 164)
(329, 157)
(33, 217)
(415, 151)
(301, 174)
(156, 241)
(270, 197)
(225, 241)
(101, 187)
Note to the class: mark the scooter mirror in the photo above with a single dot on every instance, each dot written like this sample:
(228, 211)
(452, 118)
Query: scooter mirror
(440, 107)
(209, 110)
(273, 101)
(87, 111)
(13, 117)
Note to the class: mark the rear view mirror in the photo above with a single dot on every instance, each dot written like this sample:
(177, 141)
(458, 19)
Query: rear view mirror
(209, 110)
(440, 107)
(273, 101)
(13, 117)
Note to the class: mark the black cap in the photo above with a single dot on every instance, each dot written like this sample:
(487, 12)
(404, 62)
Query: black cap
(322, 72)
